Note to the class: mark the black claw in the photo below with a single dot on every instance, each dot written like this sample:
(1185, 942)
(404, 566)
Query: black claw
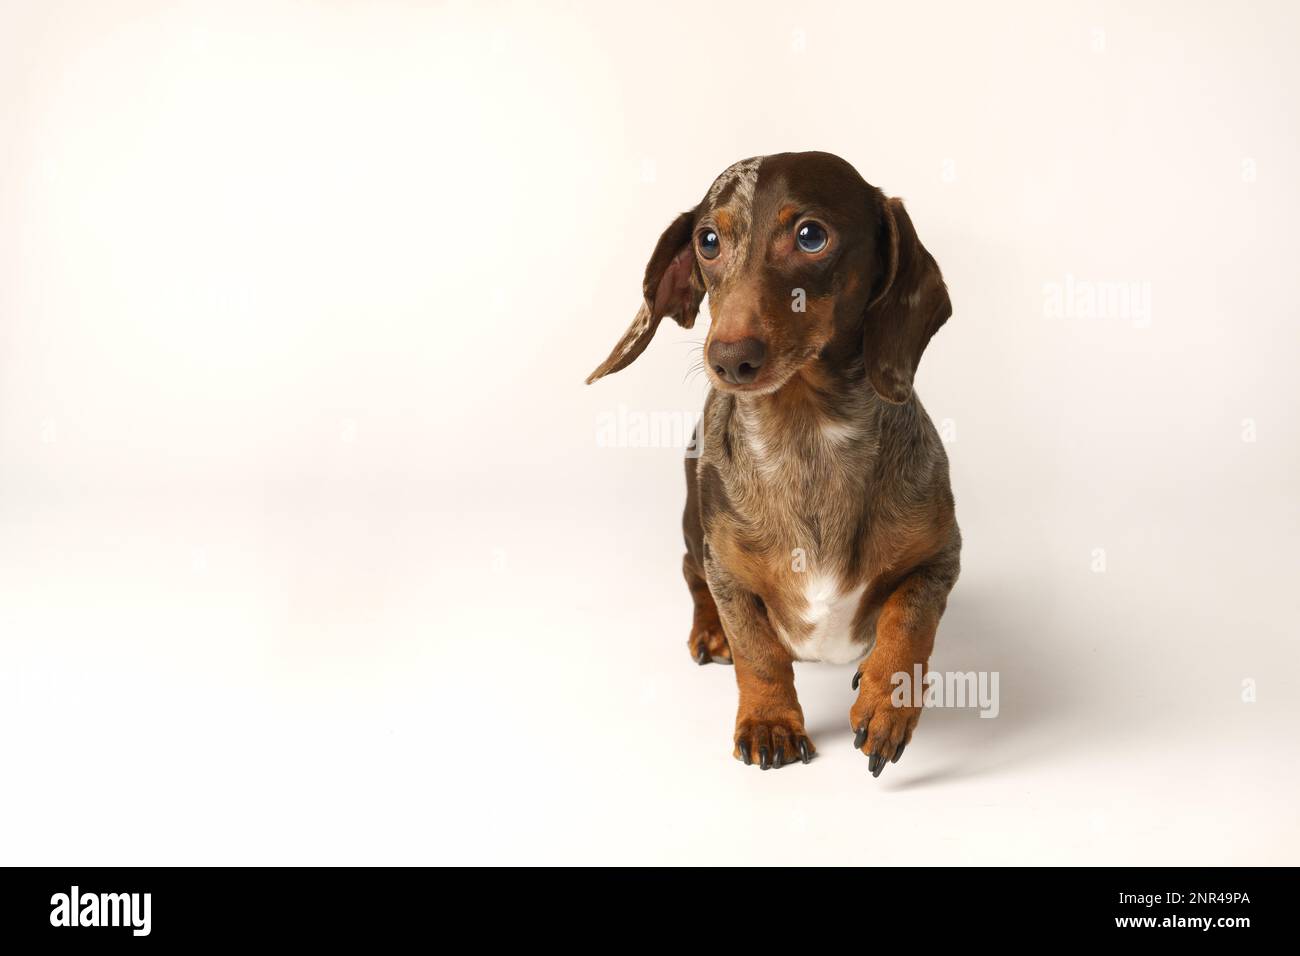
(778, 759)
(804, 752)
(743, 746)
(861, 738)
(763, 763)
(703, 657)
(857, 676)
(875, 763)
(898, 754)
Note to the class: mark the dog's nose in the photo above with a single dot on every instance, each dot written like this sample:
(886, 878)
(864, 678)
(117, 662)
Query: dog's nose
(737, 363)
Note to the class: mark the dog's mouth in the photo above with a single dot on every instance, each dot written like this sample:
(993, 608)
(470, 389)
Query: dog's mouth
(767, 382)
(771, 378)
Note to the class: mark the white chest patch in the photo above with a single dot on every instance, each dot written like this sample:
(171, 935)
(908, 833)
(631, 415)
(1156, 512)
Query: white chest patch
(830, 613)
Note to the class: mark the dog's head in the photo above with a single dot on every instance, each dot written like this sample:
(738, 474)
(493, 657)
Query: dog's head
(803, 262)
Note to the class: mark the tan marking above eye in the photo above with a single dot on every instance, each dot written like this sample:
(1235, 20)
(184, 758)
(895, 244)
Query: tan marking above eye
(787, 215)
(724, 220)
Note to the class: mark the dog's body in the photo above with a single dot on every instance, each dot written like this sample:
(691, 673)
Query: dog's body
(819, 521)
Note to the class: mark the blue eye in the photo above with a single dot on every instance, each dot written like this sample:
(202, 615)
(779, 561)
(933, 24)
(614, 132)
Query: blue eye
(811, 237)
(709, 243)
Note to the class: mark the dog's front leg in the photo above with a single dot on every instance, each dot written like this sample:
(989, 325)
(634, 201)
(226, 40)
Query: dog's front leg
(769, 720)
(904, 639)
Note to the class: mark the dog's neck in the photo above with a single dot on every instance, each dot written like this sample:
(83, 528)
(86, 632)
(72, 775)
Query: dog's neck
(798, 463)
(812, 398)
(812, 417)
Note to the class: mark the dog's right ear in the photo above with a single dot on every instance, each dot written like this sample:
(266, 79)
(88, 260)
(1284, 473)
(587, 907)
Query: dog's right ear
(673, 287)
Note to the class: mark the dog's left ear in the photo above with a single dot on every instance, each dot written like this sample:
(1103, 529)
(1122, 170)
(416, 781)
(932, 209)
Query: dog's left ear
(673, 286)
(910, 306)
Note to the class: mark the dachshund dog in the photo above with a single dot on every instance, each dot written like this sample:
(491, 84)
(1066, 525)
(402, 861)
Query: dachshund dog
(819, 518)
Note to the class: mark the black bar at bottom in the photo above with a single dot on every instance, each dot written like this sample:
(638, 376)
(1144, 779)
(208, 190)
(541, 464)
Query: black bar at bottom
(380, 907)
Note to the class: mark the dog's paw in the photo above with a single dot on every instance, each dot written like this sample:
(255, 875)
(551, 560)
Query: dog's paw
(708, 643)
(880, 729)
(772, 742)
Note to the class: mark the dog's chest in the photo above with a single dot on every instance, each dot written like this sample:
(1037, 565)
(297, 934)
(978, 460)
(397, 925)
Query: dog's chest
(812, 604)
(795, 513)
(824, 626)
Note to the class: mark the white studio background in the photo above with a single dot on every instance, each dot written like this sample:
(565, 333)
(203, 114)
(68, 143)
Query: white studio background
(309, 550)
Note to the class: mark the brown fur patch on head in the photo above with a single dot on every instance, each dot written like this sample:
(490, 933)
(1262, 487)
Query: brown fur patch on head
(763, 285)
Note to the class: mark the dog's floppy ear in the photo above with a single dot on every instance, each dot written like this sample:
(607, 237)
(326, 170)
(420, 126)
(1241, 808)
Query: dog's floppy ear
(910, 306)
(673, 286)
